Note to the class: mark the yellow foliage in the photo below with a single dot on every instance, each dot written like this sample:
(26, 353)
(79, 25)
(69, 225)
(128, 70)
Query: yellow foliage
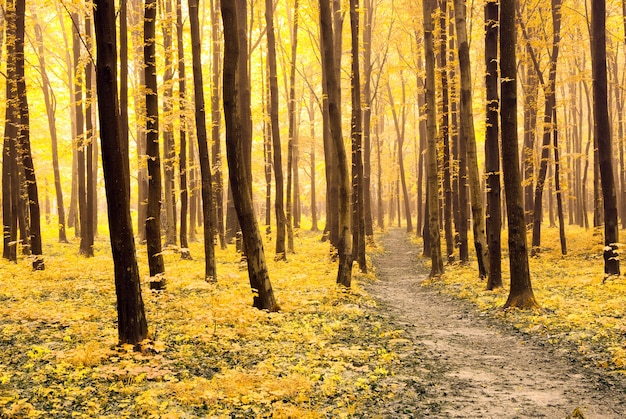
(210, 353)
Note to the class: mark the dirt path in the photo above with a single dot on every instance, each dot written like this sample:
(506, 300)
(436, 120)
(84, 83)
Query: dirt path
(460, 363)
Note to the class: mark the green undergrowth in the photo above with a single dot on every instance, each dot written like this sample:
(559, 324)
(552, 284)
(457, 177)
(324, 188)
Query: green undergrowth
(578, 307)
(325, 354)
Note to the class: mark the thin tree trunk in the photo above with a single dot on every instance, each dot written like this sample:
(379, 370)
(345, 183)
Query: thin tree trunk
(557, 187)
(50, 102)
(210, 272)
(216, 116)
(356, 133)
(90, 186)
(445, 130)
(169, 153)
(292, 169)
(279, 199)
(153, 215)
(182, 112)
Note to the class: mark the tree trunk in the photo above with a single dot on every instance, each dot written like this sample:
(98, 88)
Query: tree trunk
(311, 109)
(273, 108)
(521, 293)
(292, 168)
(136, 21)
(90, 186)
(10, 175)
(50, 102)
(132, 325)
(431, 110)
(23, 140)
(468, 136)
(79, 135)
(153, 215)
(400, 125)
(356, 133)
(182, 154)
(210, 273)
(367, 118)
(602, 133)
(169, 153)
(550, 105)
(216, 117)
(445, 130)
(242, 196)
(492, 147)
(344, 248)
(557, 187)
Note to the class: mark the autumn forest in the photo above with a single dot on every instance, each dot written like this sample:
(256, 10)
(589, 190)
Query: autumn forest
(198, 195)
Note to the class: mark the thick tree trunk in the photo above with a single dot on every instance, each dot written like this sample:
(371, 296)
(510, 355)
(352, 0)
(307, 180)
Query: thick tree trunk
(344, 247)
(132, 325)
(521, 293)
(492, 147)
(602, 133)
(23, 140)
(242, 194)
(153, 215)
(210, 273)
(469, 138)
(432, 195)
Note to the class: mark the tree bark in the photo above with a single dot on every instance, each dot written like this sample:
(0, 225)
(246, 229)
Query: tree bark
(279, 199)
(210, 272)
(492, 147)
(216, 116)
(432, 196)
(169, 152)
(602, 133)
(344, 248)
(356, 133)
(23, 140)
(182, 154)
(242, 194)
(132, 324)
(153, 215)
(521, 293)
(468, 136)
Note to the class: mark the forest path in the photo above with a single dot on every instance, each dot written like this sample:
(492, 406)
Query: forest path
(460, 363)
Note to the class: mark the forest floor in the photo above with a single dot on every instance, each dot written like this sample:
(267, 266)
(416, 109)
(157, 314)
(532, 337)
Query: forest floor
(471, 364)
(394, 345)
